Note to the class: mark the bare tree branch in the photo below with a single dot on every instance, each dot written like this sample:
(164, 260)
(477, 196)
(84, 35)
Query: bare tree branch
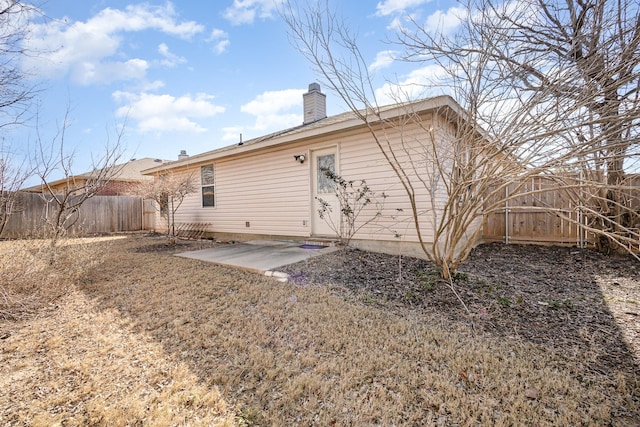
(544, 88)
(168, 192)
(13, 174)
(71, 191)
(16, 92)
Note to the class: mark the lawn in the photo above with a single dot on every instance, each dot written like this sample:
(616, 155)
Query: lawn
(118, 331)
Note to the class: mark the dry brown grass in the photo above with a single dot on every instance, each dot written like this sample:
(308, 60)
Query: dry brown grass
(33, 274)
(148, 338)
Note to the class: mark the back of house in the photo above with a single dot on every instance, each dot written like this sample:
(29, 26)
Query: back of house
(275, 186)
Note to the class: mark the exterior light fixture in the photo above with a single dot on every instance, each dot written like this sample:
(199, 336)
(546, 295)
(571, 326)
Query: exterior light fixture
(299, 158)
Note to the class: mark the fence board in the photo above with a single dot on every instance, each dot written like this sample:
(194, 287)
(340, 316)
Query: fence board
(541, 210)
(149, 215)
(99, 214)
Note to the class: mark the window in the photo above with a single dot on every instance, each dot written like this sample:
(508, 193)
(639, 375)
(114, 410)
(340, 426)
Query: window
(326, 164)
(208, 188)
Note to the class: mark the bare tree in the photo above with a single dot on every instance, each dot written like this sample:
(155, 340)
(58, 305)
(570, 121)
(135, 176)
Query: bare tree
(437, 168)
(13, 174)
(15, 91)
(64, 200)
(576, 64)
(15, 98)
(168, 192)
(457, 169)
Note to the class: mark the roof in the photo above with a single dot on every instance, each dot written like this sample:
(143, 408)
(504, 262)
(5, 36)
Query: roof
(331, 124)
(130, 171)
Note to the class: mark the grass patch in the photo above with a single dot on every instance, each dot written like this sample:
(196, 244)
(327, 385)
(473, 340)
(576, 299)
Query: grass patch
(33, 274)
(148, 338)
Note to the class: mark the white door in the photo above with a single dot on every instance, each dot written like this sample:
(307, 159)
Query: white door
(323, 193)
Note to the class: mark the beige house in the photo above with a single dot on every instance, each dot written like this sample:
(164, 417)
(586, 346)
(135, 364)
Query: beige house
(268, 187)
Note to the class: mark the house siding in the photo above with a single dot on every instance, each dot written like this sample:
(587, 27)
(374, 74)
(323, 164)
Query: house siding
(267, 189)
(363, 158)
(271, 191)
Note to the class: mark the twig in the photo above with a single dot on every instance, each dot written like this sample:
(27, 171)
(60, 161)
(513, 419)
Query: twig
(453, 289)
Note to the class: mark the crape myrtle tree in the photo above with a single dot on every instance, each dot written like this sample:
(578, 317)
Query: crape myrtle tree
(168, 191)
(53, 159)
(579, 62)
(16, 95)
(14, 171)
(505, 128)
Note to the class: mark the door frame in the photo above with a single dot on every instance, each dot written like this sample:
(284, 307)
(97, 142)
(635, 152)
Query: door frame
(314, 219)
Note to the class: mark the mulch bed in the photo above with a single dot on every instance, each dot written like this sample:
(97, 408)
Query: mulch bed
(575, 301)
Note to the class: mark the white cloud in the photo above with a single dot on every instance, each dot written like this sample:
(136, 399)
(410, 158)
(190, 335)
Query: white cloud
(170, 59)
(221, 47)
(151, 86)
(415, 85)
(390, 7)
(217, 34)
(90, 72)
(246, 11)
(220, 39)
(395, 24)
(273, 111)
(142, 17)
(163, 113)
(273, 101)
(383, 59)
(84, 46)
(446, 22)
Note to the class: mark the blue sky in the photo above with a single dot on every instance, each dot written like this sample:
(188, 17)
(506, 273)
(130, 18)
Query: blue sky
(190, 75)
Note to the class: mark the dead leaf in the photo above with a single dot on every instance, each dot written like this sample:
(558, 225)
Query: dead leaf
(531, 393)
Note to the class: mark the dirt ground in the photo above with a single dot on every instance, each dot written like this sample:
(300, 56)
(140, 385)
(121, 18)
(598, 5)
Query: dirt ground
(551, 337)
(576, 300)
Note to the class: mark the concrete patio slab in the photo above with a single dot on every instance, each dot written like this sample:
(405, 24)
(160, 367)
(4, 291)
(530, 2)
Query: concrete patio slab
(257, 255)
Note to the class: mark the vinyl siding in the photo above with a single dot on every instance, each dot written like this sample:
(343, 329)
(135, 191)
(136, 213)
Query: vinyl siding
(268, 189)
(271, 191)
(362, 159)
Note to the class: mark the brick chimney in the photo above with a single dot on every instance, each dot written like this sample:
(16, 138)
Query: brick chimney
(183, 155)
(314, 104)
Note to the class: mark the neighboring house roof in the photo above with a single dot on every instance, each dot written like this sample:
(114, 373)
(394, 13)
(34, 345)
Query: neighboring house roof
(332, 124)
(128, 172)
(132, 170)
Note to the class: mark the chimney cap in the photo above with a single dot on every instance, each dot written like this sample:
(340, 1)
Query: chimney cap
(314, 86)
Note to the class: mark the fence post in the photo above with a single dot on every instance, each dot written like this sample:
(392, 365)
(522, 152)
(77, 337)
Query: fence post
(506, 215)
(581, 236)
(580, 227)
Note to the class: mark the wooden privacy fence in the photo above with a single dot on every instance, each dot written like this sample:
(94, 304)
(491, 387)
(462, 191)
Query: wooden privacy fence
(97, 215)
(149, 212)
(540, 210)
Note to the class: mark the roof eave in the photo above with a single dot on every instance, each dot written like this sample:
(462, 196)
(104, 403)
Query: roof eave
(421, 106)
